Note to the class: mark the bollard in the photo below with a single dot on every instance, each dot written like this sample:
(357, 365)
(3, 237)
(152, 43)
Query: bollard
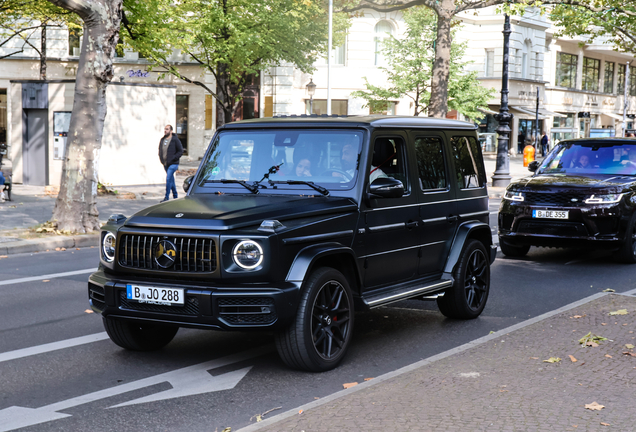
(528, 155)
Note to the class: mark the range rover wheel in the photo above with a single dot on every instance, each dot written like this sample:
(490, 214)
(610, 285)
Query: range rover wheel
(318, 338)
(138, 336)
(512, 251)
(627, 252)
(467, 297)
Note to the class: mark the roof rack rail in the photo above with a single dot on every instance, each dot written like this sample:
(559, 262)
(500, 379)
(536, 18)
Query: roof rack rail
(310, 115)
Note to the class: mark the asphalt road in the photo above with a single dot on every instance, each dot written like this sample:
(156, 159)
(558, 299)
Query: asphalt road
(206, 381)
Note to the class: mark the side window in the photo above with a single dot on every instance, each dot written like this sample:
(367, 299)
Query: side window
(430, 163)
(389, 160)
(469, 165)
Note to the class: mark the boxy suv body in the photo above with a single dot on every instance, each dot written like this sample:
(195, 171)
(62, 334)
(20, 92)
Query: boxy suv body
(292, 224)
(582, 194)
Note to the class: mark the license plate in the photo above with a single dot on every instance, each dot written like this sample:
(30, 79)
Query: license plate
(155, 295)
(550, 214)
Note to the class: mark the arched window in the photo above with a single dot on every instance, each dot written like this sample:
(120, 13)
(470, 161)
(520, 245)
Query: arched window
(383, 30)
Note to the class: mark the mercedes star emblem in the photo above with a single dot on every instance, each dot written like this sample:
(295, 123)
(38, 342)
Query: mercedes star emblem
(179, 215)
(165, 253)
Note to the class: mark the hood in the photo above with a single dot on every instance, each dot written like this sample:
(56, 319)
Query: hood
(614, 183)
(226, 212)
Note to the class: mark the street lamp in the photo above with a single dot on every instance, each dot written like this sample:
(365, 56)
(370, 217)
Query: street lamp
(311, 91)
(501, 176)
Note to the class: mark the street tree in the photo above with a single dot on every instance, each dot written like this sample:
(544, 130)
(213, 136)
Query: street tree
(409, 70)
(21, 20)
(75, 208)
(230, 39)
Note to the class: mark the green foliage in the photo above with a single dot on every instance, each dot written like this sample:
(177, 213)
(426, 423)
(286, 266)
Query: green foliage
(409, 67)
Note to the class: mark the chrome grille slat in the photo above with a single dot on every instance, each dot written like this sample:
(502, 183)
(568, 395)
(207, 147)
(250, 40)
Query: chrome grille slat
(194, 254)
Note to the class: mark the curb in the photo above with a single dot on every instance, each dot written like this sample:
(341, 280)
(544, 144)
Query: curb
(42, 244)
(409, 368)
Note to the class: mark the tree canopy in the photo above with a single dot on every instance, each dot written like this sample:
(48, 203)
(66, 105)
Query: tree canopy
(410, 65)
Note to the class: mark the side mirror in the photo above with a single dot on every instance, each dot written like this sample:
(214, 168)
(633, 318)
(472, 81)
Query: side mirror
(386, 187)
(533, 166)
(187, 182)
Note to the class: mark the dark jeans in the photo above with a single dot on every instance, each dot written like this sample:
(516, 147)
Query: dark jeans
(170, 184)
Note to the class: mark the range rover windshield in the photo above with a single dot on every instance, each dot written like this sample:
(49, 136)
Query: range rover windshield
(313, 161)
(591, 158)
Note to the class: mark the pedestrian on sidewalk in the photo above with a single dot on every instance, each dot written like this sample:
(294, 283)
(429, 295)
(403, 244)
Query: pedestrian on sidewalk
(544, 144)
(521, 139)
(170, 151)
(2, 180)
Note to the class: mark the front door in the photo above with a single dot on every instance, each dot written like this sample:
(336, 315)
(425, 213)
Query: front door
(34, 148)
(391, 224)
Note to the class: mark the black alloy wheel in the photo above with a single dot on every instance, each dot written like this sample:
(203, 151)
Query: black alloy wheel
(139, 336)
(627, 252)
(467, 297)
(319, 337)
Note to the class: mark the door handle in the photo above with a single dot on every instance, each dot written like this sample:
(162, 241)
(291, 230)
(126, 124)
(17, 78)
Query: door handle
(410, 225)
(452, 218)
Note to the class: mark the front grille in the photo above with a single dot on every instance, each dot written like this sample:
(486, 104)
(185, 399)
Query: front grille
(193, 255)
(96, 295)
(191, 306)
(565, 229)
(247, 310)
(555, 199)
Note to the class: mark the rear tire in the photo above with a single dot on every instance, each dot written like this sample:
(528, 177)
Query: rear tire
(467, 297)
(139, 336)
(627, 252)
(513, 251)
(318, 338)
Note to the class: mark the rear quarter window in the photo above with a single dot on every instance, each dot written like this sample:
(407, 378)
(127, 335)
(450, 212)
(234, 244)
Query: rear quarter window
(469, 165)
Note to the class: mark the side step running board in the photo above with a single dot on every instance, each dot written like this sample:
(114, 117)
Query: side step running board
(406, 293)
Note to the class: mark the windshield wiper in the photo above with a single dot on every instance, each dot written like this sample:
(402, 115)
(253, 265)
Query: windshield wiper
(312, 185)
(251, 188)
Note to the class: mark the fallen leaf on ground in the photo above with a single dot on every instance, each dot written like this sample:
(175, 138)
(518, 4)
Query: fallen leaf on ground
(368, 379)
(573, 359)
(608, 356)
(605, 424)
(629, 346)
(349, 385)
(57, 249)
(591, 339)
(629, 353)
(609, 290)
(88, 311)
(4, 256)
(591, 344)
(534, 358)
(578, 316)
(300, 412)
(46, 280)
(603, 323)
(619, 312)
(552, 360)
(227, 429)
(594, 406)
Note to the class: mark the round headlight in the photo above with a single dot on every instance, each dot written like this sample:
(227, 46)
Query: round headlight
(247, 254)
(108, 247)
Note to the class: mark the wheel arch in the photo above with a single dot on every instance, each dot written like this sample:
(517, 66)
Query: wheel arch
(332, 255)
(468, 231)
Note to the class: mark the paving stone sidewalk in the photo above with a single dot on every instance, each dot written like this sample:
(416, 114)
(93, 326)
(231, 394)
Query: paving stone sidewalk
(503, 384)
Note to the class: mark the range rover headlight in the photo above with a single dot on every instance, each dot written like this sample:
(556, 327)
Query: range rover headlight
(514, 196)
(108, 247)
(604, 199)
(247, 254)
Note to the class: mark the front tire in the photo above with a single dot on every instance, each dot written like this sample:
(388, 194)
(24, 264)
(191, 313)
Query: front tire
(627, 252)
(513, 251)
(139, 336)
(318, 338)
(467, 297)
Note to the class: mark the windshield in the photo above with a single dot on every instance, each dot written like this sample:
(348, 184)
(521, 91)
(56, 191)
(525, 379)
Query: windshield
(272, 159)
(591, 158)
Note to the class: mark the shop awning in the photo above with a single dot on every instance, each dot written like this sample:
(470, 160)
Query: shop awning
(526, 113)
(549, 113)
(614, 116)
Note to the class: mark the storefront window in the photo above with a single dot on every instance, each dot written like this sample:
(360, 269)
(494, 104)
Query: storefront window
(181, 124)
(338, 107)
(608, 85)
(591, 73)
(564, 122)
(566, 70)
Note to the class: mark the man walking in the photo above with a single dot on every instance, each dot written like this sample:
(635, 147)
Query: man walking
(170, 151)
(544, 144)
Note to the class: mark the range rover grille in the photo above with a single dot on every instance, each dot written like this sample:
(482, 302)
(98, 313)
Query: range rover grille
(555, 199)
(553, 228)
(192, 255)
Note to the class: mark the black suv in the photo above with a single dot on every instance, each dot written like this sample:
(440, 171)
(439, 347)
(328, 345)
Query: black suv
(583, 194)
(291, 224)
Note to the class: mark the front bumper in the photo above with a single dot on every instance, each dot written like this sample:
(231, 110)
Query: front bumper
(240, 307)
(601, 226)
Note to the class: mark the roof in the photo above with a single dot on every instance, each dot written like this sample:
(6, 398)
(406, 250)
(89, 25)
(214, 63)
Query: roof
(379, 121)
(608, 141)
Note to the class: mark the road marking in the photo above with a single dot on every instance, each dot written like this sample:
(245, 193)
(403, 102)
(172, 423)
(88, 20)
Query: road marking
(48, 276)
(53, 346)
(188, 381)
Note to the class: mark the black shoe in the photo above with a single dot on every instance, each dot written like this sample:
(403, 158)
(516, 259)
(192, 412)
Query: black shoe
(164, 200)
(175, 197)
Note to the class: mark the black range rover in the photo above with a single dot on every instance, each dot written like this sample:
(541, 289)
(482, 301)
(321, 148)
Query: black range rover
(583, 194)
(292, 224)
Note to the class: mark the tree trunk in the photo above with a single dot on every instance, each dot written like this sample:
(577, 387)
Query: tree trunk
(43, 53)
(441, 67)
(75, 209)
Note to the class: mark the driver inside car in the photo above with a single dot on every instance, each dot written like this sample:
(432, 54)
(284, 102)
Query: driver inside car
(348, 160)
